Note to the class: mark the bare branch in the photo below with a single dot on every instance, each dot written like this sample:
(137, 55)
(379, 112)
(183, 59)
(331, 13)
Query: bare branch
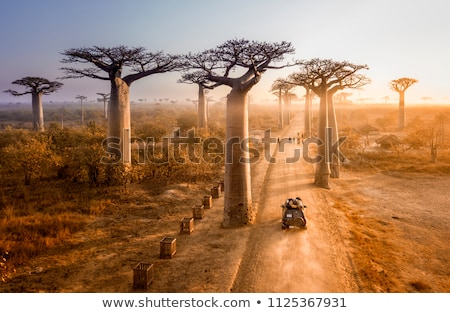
(104, 95)
(282, 84)
(198, 78)
(15, 93)
(79, 73)
(153, 63)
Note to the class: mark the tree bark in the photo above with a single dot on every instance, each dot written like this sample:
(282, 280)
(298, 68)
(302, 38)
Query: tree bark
(433, 154)
(401, 110)
(119, 125)
(38, 111)
(280, 111)
(105, 109)
(307, 128)
(322, 173)
(202, 110)
(237, 195)
(332, 123)
(82, 112)
(287, 111)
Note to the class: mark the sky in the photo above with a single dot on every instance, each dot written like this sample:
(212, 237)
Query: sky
(395, 38)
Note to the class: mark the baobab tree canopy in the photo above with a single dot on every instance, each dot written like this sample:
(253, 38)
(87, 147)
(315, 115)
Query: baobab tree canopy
(112, 61)
(217, 64)
(197, 77)
(109, 64)
(402, 84)
(36, 85)
(282, 84)
(317, 74)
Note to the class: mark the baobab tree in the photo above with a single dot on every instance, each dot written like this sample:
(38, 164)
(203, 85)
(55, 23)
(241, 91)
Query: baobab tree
(105, 97)
(109, 64)
(36, 86)
(281, 89)
(81, 98)
(248, 60)
(325, 77)
(400, 85)
(341, 97)
(293, 80)
(199, 79)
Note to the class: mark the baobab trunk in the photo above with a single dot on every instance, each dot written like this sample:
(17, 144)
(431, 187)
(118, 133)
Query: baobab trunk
(287, 111)
(332, 123)
(280, 111)
(82, 112)
(38, 111)
(322, 173)
(401, 110)
(237, 195)
(202, 111)
(307, 127)
(119, 121)
(105, 109)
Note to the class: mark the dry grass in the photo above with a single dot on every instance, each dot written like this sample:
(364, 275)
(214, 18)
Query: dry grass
(371, 251)
(404, 162)
(401, 159)
(374, 240)
(44, 215)
(27, 236)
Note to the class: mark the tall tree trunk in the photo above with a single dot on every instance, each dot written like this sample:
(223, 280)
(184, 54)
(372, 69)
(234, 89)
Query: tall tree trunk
(105, 109)
(401, 110)
(280, 111)
(82, 112)
(307, 128)
(332, 123)
(287, 107)
(38, 111)
(119, 126)
(322, 173)
(202, 110)
(237, 193)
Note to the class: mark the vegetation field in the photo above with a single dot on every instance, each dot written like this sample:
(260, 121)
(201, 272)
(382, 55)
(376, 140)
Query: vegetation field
(60, 204)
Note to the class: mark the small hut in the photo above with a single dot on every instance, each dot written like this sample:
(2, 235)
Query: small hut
(388, 141)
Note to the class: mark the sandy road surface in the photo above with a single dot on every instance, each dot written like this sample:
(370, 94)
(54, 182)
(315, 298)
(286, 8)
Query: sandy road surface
(294, 260)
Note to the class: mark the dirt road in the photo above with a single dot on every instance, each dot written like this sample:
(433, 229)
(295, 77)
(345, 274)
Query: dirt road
(375, 231)
(310, 260)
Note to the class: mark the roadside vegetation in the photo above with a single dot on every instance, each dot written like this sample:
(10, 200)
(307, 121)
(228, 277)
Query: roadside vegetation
(53, 183)
(422, 146)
